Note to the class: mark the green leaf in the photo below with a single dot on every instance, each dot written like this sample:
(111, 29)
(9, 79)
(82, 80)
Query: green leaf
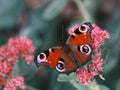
(102, 87)
(89, 86)
(118, 85)
(78, 86)
(65, 78)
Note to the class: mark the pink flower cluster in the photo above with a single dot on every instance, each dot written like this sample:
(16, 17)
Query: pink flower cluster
(23, 47)
(98, 35)
(14, 83)
(84, 75)
(96, 65)
(19, 47)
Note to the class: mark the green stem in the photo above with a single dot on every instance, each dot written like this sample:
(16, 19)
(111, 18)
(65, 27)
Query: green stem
(93, 85)
(85, 14)
(90, 86)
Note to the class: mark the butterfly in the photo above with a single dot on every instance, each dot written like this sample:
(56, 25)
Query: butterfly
(71, 55)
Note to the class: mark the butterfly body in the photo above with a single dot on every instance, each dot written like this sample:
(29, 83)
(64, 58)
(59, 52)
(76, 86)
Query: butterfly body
(70, 55)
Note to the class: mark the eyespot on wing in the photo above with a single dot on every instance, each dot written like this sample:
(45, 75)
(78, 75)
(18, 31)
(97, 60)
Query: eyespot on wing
(81, 36)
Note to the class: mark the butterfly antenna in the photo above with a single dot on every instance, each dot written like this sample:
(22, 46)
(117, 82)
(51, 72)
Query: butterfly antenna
(61, 40)
(62, 34)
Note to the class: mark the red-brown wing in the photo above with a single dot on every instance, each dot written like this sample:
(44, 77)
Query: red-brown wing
(68, 65)
(49, 57)
(82, 54)
(79, 43)
(56, 58)
(81, 35)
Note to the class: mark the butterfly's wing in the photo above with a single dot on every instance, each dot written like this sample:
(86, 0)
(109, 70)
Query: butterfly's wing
(79, 43)
(82, 54)
(49, 57)
(65, 64)
(56, 58)
(81, 35)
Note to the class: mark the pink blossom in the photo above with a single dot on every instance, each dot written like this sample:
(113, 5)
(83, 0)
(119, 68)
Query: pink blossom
(97, 62)
(28, 58)
(5, 68)
(83, 76)
(19, 47)
(14, 83)
(98, 35)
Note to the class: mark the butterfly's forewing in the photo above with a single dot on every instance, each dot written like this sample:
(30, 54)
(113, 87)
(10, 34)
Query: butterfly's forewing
(81, 35)
(49, 57)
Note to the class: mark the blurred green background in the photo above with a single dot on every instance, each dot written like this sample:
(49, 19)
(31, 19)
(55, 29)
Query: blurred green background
(46, 23)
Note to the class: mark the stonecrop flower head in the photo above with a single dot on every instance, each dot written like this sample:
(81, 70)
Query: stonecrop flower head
(19, 47)
(98, 35)
(23, 47)
(14, 83)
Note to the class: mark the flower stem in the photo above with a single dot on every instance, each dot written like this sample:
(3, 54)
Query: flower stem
(81, 6)
(93, 85)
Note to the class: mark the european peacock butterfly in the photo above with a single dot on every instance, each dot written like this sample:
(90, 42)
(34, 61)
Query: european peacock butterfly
(71, 55)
